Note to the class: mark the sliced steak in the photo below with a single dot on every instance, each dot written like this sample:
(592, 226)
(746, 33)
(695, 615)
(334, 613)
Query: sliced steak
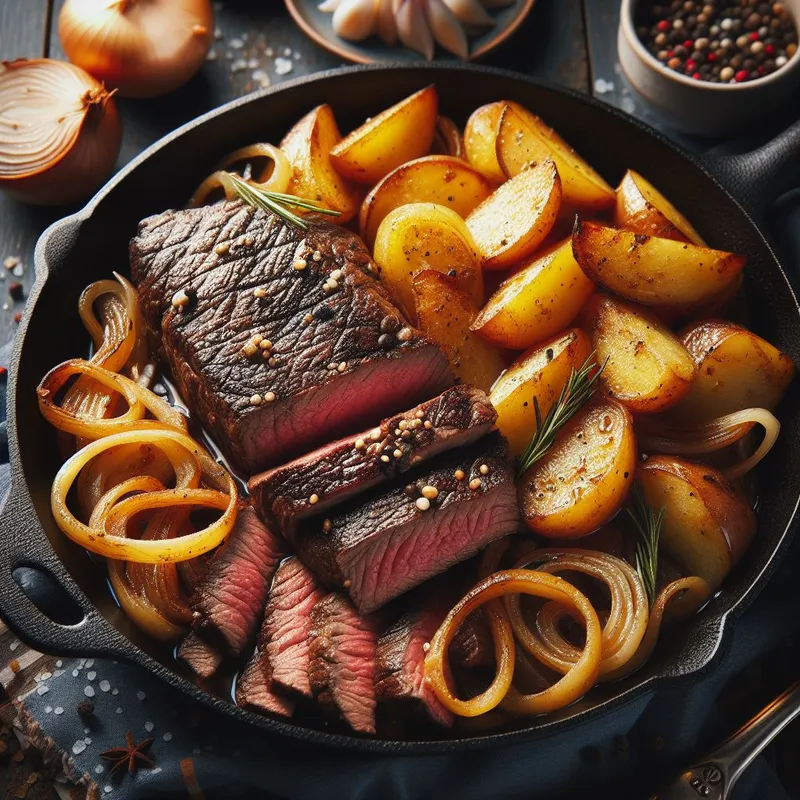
(201, 657)
(341, 355)
(472, 644)
(400, 684)
(229, 602)
(334, 473)
(342, 668)
(253, 692)
(395, 539)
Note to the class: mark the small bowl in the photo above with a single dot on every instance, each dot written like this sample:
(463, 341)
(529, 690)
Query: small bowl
(700, 107)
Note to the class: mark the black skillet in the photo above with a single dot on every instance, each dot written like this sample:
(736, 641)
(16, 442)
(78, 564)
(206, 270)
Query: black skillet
(83, 619)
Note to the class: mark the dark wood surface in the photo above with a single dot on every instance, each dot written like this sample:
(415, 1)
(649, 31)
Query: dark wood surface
(251, 35)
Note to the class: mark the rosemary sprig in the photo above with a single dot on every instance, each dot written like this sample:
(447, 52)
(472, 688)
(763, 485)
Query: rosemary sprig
(647, 523)
(277, 202)
(577, 390)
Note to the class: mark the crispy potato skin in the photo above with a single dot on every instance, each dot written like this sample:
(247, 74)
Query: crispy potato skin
(536, 302)
(522, 139)
(426, 236)
(398, 134)
(672, 276)
(641, 208)
(708, 525)
(539, 373)
(445, 313)
(480, 135)
(646, 367)
(515, 219)
(444, 180)
(307, 146)
(736, 369)
(583, 480)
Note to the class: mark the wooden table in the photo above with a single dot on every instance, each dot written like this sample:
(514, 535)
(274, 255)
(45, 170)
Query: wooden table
(552, 45)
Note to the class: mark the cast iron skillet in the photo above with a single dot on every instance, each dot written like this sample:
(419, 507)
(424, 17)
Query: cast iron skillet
(89, 245)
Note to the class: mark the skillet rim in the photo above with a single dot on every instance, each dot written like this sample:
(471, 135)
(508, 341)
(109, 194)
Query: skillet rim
(118, 645)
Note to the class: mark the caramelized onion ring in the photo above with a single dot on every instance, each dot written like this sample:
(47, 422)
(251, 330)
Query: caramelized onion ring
(539, 584)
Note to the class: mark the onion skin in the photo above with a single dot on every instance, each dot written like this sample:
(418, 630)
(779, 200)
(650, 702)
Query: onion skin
(82, 135)
(144, 48)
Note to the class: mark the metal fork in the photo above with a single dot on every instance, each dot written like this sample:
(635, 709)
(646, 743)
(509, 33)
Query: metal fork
(714, 776)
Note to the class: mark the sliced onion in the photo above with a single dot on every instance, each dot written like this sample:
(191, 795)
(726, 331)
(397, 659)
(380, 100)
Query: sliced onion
(59, 131)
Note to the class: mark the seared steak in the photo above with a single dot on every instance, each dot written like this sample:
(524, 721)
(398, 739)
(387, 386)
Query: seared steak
(201, 657)
(336, 472)
(341, 356)
(253, 692)
(229, 602)
(342, 668)
(379, 547)
(400, 683)
(472, 645)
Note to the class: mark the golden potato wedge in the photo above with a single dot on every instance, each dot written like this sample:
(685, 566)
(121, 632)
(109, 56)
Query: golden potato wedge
(426, 236)
(480, 135)
(515, 219)
(736, 369)
(646, 367)
(641, 208)
(307, 146)
(540, 373)
(536, 302)
(445, 313)
(444, 180)
(663, 273)
(583, 480)
(707, 524)
(523, 139)
(396, 135)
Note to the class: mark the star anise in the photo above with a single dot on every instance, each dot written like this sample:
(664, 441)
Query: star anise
(134, 755)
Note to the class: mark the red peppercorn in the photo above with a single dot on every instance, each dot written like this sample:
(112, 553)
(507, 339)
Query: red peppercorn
(711, 57)
(689, 44)
(663, 25)
(3, 372)
(754, 36)
(741, 75)
(696, 76)
(769, 50)
(691, 65)
(18, 316)
(670, 53)
(761, 70)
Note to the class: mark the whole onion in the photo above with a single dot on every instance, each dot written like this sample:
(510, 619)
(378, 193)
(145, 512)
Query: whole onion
(59, 131)
(144, 48)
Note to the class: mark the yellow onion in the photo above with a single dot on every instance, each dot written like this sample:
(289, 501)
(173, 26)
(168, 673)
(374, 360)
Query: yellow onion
(59, 131)
(144, 48)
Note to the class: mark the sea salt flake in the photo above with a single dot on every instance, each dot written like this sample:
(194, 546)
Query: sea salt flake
(87, 730)
(90, 676)
(59, 663)
(602, 86)
(269, 52)
(240, 65)
(118, 710)
(236, 43)
(115, 692)
(105, 686)
(48, 709)
(99, 769)
(211, 55)
(108, 789)
(74, 673)
(283, 66)
(58, 711)
(79, 747)
(18, 271)
(45, 676)
(88, 740)
(287, 51)
(88, 691)
(148, 726)
(13, 646)
(140, 695)
(252, 63)
(261, 78)
(42, 689)
(167, 737)
(89, 663)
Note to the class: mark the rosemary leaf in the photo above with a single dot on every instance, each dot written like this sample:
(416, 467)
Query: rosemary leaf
(577, 390)
(647, 523)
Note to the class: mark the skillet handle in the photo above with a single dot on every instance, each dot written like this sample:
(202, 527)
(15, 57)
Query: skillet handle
(760, 177)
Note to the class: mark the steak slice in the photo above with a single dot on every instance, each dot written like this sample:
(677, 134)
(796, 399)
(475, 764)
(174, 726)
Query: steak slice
(334, 473)
(253, 692)
(201, 657)
(229, 602)
(472, 644)
(383, 546)
(400, 683)
(342, 668)
(341, 356)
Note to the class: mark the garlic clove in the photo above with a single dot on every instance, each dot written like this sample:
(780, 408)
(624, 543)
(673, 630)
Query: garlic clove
(355, 20)
(413, 28)
(387, 26)
(329, 6)
(470, 12)
(446, 28)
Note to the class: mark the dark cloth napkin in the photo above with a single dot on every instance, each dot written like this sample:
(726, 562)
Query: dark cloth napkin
(231, 760)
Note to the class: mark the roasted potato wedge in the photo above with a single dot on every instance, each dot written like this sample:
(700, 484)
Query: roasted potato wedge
(445, 313)
(444, 180)
(583, 480)
(646, 367)
(641, 208)
(736, 369)
(523, 139)
(427, 236)
(398, 134)
(480, 135)
(307, 146)
(669, 275)
(540, 373)
(537, 302)
(515, 219)
(707, 524)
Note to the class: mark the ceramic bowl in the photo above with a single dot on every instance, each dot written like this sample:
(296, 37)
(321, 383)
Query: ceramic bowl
(700, 107)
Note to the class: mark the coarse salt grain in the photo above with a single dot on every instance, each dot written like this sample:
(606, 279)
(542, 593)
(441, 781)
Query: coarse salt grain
(140, 695)
(105, 686)
(283, 66)
(89, 663)
(88, 691)
(59, 663)
(99, 769)
(90, 676)
(58, 711)
(115, 692)
(79, 747)
(48, 709)
(42, 689)
(108, 789)
(148, 726)
(118, 710)
(167, 737)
